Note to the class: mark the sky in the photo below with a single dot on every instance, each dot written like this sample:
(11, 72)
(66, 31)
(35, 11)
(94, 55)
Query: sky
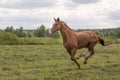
(77, 14)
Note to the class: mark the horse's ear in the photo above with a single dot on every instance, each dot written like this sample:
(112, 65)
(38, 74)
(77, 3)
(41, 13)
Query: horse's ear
(58, 19)
(55, 19)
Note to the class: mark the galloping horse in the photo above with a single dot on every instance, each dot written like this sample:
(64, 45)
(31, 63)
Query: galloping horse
(73, 40)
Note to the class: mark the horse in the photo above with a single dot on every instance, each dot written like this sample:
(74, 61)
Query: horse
(73, 40)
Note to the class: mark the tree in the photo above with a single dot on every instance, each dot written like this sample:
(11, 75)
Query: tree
(47, 32)
(30, 34)
(7, 29)
(41, 31)
(56, 35)
(10, 29)
(117, 33)
(8, 38)
(21, 33)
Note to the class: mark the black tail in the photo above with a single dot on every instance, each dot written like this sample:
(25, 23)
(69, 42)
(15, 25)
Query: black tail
(101, 41)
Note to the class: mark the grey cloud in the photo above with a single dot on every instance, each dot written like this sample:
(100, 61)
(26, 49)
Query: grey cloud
(28, 22)
(115, 15)
(25, 19)
(80, 23)
(25, 4)
(85, 1)
(76, 3)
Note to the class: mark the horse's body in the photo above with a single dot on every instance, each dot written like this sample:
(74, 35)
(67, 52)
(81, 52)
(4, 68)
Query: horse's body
(73, 40)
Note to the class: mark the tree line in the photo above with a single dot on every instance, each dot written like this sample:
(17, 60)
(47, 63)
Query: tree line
(42, 32)
(12, 36)
(109, 33)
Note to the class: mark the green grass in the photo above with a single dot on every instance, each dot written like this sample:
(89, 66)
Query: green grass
(52, 62)
(41, 41)
(31, 41)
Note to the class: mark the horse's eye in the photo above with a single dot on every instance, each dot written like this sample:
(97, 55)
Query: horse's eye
(55, 24)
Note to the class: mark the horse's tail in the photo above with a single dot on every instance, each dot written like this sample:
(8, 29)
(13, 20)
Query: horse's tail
(101, 41)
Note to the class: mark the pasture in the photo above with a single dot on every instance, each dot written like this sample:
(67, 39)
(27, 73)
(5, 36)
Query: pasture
(52, 62)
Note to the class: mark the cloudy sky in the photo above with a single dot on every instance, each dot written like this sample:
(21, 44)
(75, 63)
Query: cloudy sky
(82, 14)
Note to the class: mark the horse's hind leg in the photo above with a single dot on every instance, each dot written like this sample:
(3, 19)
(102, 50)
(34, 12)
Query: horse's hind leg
(91, 51)
(88, 55)
(83, 55)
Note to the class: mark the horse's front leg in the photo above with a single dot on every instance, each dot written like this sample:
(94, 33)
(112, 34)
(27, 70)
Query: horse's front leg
(72, 54)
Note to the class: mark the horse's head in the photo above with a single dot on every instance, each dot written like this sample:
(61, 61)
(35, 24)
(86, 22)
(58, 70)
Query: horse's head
(56, 26)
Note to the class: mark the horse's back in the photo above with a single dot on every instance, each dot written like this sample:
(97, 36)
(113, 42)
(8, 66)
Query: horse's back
(85, 38)
(91, 34)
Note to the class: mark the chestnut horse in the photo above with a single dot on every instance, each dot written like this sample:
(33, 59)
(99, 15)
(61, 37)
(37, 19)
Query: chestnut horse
(73, 40)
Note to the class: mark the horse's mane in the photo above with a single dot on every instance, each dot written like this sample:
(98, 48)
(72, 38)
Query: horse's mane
(66, 26)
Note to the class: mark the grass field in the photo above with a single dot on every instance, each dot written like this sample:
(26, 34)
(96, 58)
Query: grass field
(52, 62)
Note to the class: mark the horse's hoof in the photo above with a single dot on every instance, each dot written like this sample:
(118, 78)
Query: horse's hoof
(79, 68)
(85, 62)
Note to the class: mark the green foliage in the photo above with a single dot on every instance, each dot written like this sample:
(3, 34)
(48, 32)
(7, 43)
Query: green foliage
(8, 38)
(41, 36)
(30, 34)
(41, 31)
(20, 32)
(47, 32)
(10, 29)
(41, 41)
(56, 35)
(52, 62)
(110, 32)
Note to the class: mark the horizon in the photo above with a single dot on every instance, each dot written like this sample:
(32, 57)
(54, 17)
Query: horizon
(70, 27)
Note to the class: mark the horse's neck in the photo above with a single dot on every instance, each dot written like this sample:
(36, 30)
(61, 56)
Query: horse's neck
(66, 33)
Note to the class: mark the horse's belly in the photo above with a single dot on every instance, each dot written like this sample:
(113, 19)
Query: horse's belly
(83, 43)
